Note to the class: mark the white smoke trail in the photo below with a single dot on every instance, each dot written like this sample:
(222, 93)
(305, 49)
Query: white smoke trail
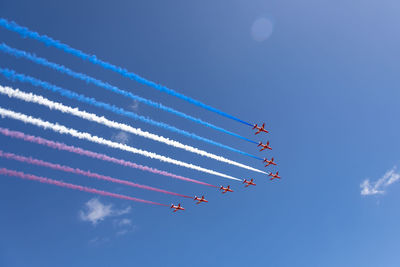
(87, 136)
(29, 97)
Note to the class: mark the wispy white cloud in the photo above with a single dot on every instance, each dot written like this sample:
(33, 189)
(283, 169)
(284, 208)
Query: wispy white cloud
(135, 105)
(124, 226)
(123, 232)
(124, 222)
(95, 211)
(378, 187)
(122, 212)
(121, 137)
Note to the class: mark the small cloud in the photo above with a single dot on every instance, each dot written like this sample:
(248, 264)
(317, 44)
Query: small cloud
(261, 29)
(123, 232)
(121, 137)
(367, 189)
(378, 187)
(124, 226)
(135, 105)
(124, 222)
(122, 212)
(95, 211)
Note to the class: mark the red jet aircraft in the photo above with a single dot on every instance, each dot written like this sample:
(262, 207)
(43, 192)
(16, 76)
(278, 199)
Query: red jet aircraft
(266, 146)
(269, 162)
(260, 129)
(274, 176)
(179, 207)
(248, 183)
(226, 189)
(199, 200)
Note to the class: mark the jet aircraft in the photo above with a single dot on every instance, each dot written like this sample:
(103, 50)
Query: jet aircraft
(200, 199)
(269, 162)
(248, 183)
(176, 208)
(226, 189)
(260, 129)
(266, 146)
(274, 176)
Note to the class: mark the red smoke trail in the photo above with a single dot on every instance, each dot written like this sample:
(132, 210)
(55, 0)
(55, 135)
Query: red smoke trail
(80, 151)
(81, 172)
(4, 171)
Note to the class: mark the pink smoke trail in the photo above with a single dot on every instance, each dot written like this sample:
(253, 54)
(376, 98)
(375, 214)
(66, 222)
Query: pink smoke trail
(4, 171)
(81, 172)
(80, 151)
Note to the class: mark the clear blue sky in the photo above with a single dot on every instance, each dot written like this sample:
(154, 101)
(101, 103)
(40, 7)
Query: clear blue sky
(325, 81)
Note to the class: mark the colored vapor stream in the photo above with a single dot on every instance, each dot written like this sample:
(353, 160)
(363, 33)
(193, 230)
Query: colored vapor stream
(59, 167)
(12, 173)
(12, 75)
(29, 97)
(25, 32)
(91, 154)
(95, 139)
(60, 68)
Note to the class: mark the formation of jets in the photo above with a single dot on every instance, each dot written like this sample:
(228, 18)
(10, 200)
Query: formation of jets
(266, 146)
(269, 162)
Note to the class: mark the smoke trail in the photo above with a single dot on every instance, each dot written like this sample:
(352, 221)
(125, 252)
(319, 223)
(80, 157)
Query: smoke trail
(91, 154)
(4, 171)
(12, 75)
(42, 163)
(60, 68)
(25, 32)
(95, 139)
(29, 97)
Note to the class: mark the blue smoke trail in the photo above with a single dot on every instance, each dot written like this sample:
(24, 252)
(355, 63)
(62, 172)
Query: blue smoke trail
(12, 75)
(25, 32)
(60, 68)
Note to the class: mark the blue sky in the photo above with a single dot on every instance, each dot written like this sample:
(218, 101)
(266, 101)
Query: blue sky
(325, 80)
